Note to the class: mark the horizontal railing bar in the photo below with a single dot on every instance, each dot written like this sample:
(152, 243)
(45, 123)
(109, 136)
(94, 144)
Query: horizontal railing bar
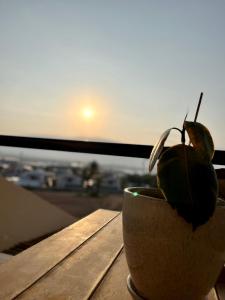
(116, 149)
(104, 148)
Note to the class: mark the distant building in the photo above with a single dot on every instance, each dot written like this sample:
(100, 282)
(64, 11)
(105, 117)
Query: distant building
(110, 182)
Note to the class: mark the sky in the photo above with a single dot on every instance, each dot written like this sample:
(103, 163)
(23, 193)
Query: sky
(113, 70)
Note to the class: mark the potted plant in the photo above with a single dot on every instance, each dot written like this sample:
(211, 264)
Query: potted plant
(174, 236)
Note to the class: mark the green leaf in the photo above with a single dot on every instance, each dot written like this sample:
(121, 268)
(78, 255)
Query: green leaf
(188, 183)
(201, 139)
(157, 149)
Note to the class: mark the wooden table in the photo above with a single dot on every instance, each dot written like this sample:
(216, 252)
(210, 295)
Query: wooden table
(83, 261)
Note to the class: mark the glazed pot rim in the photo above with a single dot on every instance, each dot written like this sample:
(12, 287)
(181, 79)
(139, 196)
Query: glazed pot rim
(153, 193)
(156, 194)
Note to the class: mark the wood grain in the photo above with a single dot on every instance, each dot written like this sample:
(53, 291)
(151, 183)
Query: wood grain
(84, 261)
(114, 286)
(79, 274)
(26, 268)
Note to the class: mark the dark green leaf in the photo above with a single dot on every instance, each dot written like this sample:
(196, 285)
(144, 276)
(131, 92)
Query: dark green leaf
(188, 183)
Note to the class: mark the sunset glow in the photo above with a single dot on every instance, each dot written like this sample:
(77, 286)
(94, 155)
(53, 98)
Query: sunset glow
(73, 82)
(88, 113)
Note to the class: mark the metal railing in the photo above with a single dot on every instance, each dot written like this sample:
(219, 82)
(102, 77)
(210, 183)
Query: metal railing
(117, 149)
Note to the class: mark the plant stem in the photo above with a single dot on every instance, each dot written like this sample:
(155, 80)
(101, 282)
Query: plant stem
(198, 107)
(182, 132)
(177, 129)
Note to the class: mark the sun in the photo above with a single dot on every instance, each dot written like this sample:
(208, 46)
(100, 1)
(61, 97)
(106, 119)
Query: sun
(87, 113)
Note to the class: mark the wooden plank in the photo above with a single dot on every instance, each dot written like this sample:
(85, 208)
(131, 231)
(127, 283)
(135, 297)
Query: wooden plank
(26, 268)
(79, 274)
(113, 286)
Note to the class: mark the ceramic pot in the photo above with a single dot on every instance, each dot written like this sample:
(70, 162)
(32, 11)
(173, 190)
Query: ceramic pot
(166, 258)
